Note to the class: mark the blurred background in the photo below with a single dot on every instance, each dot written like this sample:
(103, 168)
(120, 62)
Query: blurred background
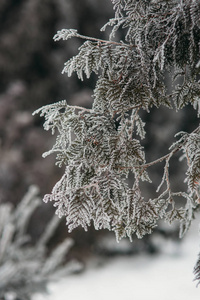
(30, 71)
(30, 77)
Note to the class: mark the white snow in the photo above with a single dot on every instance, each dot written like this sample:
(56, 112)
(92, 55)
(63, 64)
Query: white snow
(141, 277)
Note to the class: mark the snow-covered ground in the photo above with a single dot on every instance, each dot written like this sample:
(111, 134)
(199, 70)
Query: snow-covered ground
(168, 275)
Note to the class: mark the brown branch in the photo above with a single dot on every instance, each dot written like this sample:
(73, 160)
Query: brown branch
(165, 157)
(103, 41)
(80, 108)
(129, 108)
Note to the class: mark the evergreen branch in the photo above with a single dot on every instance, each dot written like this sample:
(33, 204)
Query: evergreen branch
(161, 159)
(97, 144)
(103, 41)
(64, 34)
(81, 108)
(115, 112)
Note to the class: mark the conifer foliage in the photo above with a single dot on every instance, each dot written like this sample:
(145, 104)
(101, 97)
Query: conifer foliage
(160, 37)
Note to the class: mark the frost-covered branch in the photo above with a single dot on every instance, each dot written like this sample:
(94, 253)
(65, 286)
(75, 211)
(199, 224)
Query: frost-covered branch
(101, 147)
(65, 34)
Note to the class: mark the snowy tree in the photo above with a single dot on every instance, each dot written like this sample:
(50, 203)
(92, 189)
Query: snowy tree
(101, 147)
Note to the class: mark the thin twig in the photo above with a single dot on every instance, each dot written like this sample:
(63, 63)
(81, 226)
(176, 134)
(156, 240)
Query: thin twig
(132, 125)
(129, 108)
(165, 157)
(102, 41)
(80, 108)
